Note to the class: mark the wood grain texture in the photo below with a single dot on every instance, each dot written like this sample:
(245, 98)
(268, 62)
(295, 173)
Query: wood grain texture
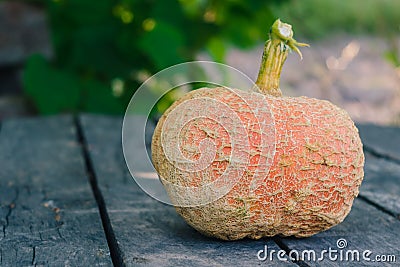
(150, 233)
(381, 184)
(366, 228)
(381, 140)
(48, 214)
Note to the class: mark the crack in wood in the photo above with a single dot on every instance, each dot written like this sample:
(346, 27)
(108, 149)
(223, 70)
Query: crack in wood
(4, 227)
(115, 251)
(33, 256)
(374, 153)
(59, 233)
(28, 189)
(381, 155)
(44, 193)
(44, 162)
(287, 250)
(379, 207)
(11, 207)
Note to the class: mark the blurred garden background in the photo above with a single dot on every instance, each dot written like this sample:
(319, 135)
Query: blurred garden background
(69, 56)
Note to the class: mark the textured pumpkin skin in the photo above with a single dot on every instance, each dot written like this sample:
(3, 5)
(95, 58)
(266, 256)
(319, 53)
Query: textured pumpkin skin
(310, 181)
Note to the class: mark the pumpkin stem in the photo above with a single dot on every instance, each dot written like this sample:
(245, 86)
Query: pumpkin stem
(276, 49)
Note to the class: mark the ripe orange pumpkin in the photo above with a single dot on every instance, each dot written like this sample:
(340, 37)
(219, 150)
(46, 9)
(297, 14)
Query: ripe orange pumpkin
(251, 164)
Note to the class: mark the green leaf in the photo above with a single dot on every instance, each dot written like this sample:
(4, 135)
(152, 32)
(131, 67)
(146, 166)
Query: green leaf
(217, 49)
(97, 42)
(53, 91)
(162, 45)
(392, 57)
(78, 12)
(93, 49)
(98, 97)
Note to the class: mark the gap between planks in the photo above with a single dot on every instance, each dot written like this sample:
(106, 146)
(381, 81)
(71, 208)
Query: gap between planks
(377, 154)
(389, 158)
(115, 251)
(279, 242)
(377, 206)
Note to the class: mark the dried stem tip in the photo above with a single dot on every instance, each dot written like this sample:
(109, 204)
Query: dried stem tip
(283, 32)
(276, 49)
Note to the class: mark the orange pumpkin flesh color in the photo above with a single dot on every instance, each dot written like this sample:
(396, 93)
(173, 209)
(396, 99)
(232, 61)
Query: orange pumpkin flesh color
(304, 156)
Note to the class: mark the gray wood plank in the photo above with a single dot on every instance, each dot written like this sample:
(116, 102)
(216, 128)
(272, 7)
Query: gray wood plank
(148, 232)
(384, 140)
(48, 215)
(366, 228)
(381, 184)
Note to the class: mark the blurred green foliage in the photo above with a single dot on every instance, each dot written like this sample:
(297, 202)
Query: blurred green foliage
(315, 19)
(105, 49)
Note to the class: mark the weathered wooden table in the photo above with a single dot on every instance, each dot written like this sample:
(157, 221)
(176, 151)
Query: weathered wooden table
(67, 199)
